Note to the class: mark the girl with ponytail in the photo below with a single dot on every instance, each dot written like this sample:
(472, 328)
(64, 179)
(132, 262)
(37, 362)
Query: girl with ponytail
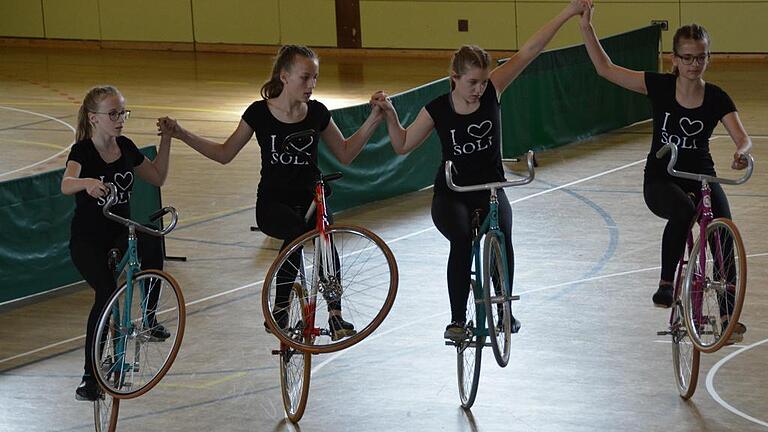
(685, 109)
(285, 190)
(102, 154)
(468, 123)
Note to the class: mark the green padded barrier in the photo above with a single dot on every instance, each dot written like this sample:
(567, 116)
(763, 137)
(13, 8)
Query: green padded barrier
(378, 173)
(559, 98)
(34, 231)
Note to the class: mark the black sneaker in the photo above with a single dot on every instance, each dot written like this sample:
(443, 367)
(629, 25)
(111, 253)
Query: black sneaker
(340, 328)
(663, 297)
(455, 331)
(738, 332)
(515, 324)
(158, 333)
(88, 390)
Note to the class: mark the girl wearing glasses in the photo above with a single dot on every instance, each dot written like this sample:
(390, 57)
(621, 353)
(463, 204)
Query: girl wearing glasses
(102, 154)
(285, 190)
(685, 111)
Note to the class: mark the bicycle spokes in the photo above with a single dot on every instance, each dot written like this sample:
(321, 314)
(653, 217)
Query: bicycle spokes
(347, 271)
(140, 335)
(714, 287)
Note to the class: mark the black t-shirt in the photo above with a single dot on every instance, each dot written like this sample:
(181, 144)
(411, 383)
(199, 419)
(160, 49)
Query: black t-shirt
(689, 129)
(88, 218)
(471, 141)
(284, 174)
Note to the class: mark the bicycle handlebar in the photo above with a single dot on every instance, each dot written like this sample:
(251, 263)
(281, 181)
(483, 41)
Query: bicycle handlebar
(701, 177)
(488, 186)
(112, 200)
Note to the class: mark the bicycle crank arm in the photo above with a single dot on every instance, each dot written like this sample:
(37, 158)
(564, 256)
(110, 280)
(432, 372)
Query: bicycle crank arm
(499, 299)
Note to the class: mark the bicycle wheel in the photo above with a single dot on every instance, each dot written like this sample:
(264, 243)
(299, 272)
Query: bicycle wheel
(469, 355)
(713, 291)
(105, 411)
(351, 270)
(685, 356)
(295, 365)
(498, 312)
(131, 350)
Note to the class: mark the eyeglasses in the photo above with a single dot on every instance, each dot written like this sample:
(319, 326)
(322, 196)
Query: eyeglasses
(115, 115)
(688, 59)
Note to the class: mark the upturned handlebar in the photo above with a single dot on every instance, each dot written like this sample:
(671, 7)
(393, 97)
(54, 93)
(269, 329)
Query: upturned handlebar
(449, 169)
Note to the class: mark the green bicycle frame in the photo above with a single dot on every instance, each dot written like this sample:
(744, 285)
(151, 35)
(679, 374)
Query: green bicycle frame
(490, 226)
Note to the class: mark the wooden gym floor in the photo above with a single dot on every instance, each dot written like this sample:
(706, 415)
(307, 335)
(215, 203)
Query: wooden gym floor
(587, 249)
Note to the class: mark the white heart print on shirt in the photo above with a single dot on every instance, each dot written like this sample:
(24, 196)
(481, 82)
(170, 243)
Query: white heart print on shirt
(124, 181)
(691, 127)
(303, 149)
(481, 130)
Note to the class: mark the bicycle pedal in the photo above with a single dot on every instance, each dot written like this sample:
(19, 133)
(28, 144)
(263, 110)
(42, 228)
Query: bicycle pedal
(275, 352)
(663, 333)
(514, 297)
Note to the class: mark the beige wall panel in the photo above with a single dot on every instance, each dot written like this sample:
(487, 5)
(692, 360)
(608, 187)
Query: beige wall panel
(418, 24)
(733, 27)
(21, 18)
(237, 21)
(614, 18)
(308, 22)
(72, 19)
(146, 20)
(531, 16)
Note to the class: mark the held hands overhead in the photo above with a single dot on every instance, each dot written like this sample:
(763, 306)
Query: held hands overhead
(168, 126)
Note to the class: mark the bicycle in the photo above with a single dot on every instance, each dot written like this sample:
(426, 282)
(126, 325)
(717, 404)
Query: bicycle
(126, 342)
(351, 268)
(493, 291)
(710, 282)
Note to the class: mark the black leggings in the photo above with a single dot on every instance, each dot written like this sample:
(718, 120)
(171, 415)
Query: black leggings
(284, 220)
(90, 256)
(452, 215)
(668, 198)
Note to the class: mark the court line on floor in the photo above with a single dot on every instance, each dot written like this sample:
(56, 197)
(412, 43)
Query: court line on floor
(713, 393)
(213, 296)
(49, 158)
(710, 388)
(240, 288)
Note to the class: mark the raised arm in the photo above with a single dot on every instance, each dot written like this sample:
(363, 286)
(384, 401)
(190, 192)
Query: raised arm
(503, 75)
(627, 78)
(222, 153)
(404, 140)
(347, 149)
(155, 171)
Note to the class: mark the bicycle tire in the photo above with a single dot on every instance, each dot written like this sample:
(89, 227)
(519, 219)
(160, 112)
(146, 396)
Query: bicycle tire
(129, 376)
(495, 298)
(703, 288)
(295, 368)
(469, 354)
(364, 286)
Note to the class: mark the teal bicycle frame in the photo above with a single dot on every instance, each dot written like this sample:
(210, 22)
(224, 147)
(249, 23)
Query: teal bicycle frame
(131, 265)
(484, 298)
(489, 227)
